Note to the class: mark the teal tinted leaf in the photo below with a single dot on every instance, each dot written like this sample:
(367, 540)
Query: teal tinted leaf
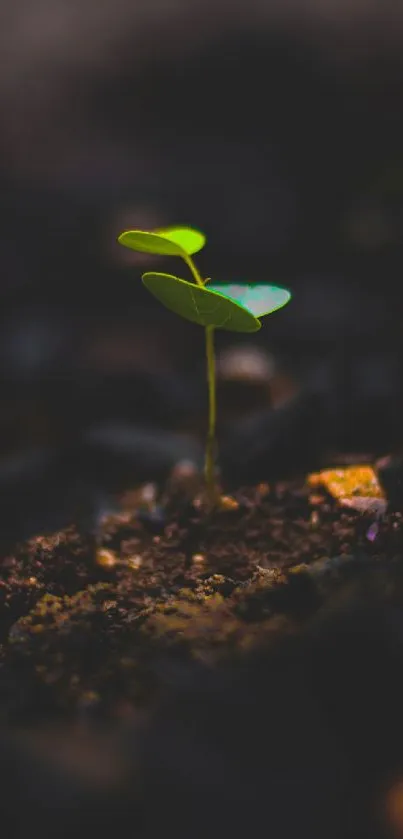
(259, 299)
(200, 304)
(190, 240)
(141, 240)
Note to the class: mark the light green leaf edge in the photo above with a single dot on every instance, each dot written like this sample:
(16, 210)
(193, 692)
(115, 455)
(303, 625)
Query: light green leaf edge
(189, 239)
(189, 301)
(167, 241)
(141, 240)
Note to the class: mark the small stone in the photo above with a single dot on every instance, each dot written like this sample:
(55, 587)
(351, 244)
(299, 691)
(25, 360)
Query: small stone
(351, 482)
(301, 568)
(228, 503)
(135, 562)
(315, 520)
(105, 559)
(270, 573)
(363, 504)
(372, 532)
(107, 605)
(198, 558)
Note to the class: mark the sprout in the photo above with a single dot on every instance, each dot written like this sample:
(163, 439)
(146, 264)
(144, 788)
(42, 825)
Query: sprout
(233, 307)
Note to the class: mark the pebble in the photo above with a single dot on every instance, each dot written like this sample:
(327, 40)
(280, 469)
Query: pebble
(363, 504)
(349, 484)
(106, 559)
(135, 562)
(372, 532)
(228, 503)
(315, 520)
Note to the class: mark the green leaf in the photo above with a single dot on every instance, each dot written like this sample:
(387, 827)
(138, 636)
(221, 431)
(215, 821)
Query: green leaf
(140, 240)
(167, 241)
(260, 299)
(190, 240)
(199, 304)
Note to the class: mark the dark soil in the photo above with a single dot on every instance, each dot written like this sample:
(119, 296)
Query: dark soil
(257, 652)
(91, 622)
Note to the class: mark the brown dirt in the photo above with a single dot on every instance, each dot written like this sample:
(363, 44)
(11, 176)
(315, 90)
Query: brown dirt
(96, 627)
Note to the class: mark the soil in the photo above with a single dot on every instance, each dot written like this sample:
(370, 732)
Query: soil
(91, 624)
(207, 672)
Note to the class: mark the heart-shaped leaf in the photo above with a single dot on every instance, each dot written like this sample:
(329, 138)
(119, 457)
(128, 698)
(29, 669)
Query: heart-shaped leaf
(167, 241)
(140, 240)
(259, 299)
(190, 240)
(199, 304)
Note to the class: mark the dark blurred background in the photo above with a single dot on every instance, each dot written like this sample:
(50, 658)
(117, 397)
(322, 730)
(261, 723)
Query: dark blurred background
(276, 126)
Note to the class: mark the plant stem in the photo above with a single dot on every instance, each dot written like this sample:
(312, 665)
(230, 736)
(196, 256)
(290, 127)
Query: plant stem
(192, 266)
(209, 469)
(209, 466)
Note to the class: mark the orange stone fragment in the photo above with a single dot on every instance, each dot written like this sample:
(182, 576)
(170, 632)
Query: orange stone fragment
(349, 482)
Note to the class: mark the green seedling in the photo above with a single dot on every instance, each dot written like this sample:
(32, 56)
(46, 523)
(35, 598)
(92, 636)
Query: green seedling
(233, 307)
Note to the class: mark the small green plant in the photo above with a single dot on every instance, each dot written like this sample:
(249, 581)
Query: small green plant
(233, 307)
